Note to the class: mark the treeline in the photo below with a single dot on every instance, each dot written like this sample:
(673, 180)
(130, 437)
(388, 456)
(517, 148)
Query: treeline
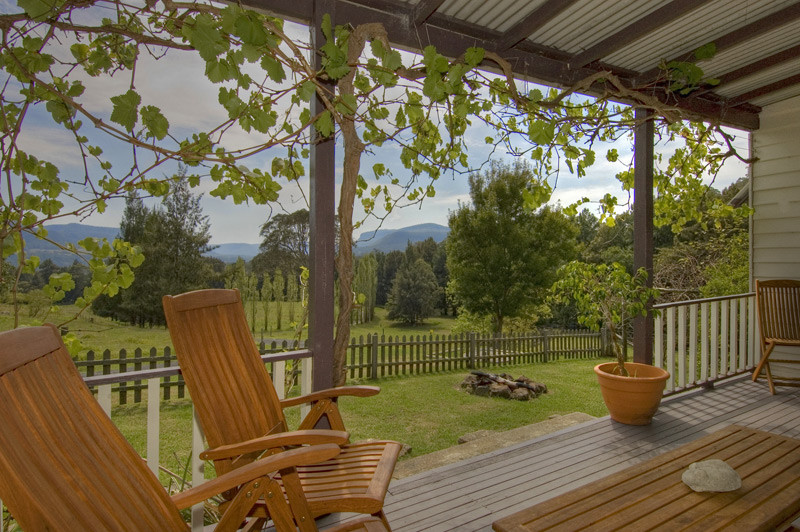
(494, 271)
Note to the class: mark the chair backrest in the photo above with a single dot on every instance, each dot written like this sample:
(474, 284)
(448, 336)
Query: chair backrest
(63, 463)
(778, 303)
(229, 385)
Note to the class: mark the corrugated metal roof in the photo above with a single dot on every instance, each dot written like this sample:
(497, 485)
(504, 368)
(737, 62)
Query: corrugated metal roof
(777, 96)
(691, 31)
(752, 50)
(497, 15)
(577, 27)
(765, 77)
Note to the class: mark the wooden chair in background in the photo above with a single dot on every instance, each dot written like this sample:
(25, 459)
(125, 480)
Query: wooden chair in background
(65, 466)
(778, 305)
(239, 410)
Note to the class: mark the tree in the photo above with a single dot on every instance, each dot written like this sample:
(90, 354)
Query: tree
(414, 293)
(172, 240)
(285, 244)
(502, 256)
(365, 284)
(388, 265)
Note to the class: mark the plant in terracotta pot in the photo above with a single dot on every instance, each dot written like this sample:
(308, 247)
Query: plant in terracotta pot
(607, 295)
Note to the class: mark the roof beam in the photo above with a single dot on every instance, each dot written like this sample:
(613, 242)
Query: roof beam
(643, 26)
(424, 9)
(766, 89)
(535, 20)
(737, 36)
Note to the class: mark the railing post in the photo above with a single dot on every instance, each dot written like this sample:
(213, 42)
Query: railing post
(153, 423)
(104, 398)
(279, 378)
(373, 355)
(198, 471)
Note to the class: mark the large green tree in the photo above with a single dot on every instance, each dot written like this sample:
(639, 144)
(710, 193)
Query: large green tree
(173, 239)
(502, 256)
(284, 245)
(414, 292)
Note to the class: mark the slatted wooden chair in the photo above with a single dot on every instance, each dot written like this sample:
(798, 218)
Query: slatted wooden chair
(237, 405)
(778, 305)
(65, 466)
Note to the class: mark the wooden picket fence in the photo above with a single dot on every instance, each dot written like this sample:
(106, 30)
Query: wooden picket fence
(372, 357)
(380, 356)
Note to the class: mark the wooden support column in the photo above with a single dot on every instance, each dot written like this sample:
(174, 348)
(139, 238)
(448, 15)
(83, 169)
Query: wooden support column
(643, 326)
(322, 230)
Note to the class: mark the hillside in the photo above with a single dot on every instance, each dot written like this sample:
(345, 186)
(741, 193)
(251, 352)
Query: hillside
(64, 233)
(387, 240)
(384, 240)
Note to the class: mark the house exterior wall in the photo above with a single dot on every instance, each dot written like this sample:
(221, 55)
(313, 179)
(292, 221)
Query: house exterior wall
(776, 193)
(775, 182)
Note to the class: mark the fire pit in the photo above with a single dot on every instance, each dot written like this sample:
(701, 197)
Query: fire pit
(503, 385)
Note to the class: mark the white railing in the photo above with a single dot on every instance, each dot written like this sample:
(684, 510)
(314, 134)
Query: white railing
(104, 383)
(704, 340)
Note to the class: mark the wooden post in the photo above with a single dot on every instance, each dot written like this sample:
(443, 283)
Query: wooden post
(322, 199)
(137, 366)
(373, 355)
(473, 347)
(545, 346)
(644, 133)
(123, 386)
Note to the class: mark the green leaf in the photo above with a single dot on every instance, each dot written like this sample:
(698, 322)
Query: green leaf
(155, 122)
(125, 110)
(348, 105)
(40, 10)
(205, 37)
(473, 56)
(326, 27)
(306, 90)
(324, 124)
(707, 51)
(274, 68)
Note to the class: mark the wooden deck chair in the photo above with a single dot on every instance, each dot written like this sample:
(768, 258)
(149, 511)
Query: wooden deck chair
(778, 305)
(237, 405)
(65, 466)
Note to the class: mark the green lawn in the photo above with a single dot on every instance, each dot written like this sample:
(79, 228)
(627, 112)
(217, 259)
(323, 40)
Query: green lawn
(428, 412)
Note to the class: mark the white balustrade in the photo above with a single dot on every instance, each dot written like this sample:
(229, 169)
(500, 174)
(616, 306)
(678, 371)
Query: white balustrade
(705, 340)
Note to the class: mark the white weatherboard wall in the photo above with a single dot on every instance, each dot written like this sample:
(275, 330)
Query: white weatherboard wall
(776, 200)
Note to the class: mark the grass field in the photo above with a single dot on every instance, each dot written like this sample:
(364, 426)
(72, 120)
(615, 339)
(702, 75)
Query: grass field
(428, 412)
(97, 333)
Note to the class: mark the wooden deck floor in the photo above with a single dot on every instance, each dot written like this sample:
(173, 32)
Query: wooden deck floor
(470, 495)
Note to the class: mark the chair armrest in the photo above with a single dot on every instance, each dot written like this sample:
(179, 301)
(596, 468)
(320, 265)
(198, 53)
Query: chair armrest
(282, 439)
(295, 457)
(354, 391)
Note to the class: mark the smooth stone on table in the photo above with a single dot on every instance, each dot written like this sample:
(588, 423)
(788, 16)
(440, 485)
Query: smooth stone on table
(711, 475)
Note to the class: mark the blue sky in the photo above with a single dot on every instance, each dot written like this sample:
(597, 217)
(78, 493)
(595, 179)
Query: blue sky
(189, 101)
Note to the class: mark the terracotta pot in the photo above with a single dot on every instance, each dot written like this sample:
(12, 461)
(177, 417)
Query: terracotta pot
(632, 400)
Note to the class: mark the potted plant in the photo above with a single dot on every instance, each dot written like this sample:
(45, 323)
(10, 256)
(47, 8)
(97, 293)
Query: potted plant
(607, 295)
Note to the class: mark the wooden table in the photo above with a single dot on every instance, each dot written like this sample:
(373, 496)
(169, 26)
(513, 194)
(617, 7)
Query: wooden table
(651, 495)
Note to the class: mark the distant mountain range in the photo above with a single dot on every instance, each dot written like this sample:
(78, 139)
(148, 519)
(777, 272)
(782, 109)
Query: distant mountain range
(64, 233)
(385, 240)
